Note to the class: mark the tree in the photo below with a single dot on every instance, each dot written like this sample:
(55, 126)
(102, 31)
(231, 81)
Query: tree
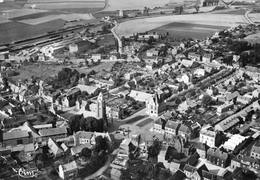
(125, 174)
(86, 152)
(74, 123)
(178, 101)
(206, 100)
(154, 150)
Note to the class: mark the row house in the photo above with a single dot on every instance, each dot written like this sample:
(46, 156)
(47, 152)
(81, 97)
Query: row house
(194, 173)
(217, 157)
(245, 162)
(159, 126)
(255, 151)
(54, 133)
(14, 138)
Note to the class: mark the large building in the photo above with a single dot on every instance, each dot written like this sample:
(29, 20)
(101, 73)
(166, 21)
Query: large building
(15, 138)
(208, 136)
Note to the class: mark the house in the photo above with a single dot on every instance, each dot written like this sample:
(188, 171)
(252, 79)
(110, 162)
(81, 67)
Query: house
(152, 52)
(96, 57)
(68, 171)
(232, 97)
(174, 167)
(235, 162)
(207, 57)
(186, 105)
(255, 150)
(55, 149)
(225, 107)
(217, 157)
(130, 75)
(154, 106)
(245, 162)
(227, 124)
(244, 99)
(125, 146)
(82, 137)
(171, 128)
(178, 175)
(55, 133)
(201, 149)
(16, 137)
(115, 174)
(208, 136)
(159, 126)
(101, 83)
(199, 72)
(186, 78)
(185, 132)
(188, 63)
(193, 172)
(194, 56)
(208, 175)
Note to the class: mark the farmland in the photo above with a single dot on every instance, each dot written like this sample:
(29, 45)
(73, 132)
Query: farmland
(11, 31)
(114, 5)
(188, 30)
(141, 25)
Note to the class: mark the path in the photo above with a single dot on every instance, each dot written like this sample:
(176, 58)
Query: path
(120, 44)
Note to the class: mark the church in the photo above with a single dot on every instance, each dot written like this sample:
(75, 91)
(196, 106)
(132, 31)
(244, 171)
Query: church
(155, 105)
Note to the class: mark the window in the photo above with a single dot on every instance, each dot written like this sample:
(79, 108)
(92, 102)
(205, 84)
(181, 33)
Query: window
(20, 141)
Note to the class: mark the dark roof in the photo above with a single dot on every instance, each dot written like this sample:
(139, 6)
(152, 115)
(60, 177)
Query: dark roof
(208, 175)
(256, 148)
(202, 146)
(190, 168)
(201, 168)
(178, 175)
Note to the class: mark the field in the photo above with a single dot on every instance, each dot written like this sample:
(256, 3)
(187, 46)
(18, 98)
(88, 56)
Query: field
(16, 31)
(141, 25)
(45, 70)
(66, 5)
(188, 30)
(255, 17)
(233, 12)
(114, 5)
(65, 17)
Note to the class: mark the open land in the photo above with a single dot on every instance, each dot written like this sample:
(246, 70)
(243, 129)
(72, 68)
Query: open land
(188, 30)
(46, 70)
(114, 5)
(254, 17)
(141, 25)
(11, 31)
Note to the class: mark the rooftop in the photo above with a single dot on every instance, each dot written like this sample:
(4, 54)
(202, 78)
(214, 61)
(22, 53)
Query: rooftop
(70, 166)
(53, 131)
(15, 135)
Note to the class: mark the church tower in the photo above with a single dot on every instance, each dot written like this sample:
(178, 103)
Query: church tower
(101, 107)
(152, 106)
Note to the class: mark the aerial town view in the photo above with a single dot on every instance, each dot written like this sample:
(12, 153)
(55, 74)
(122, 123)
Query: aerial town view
(130, 90)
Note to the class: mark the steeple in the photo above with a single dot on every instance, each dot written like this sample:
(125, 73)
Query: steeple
(100, 97)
